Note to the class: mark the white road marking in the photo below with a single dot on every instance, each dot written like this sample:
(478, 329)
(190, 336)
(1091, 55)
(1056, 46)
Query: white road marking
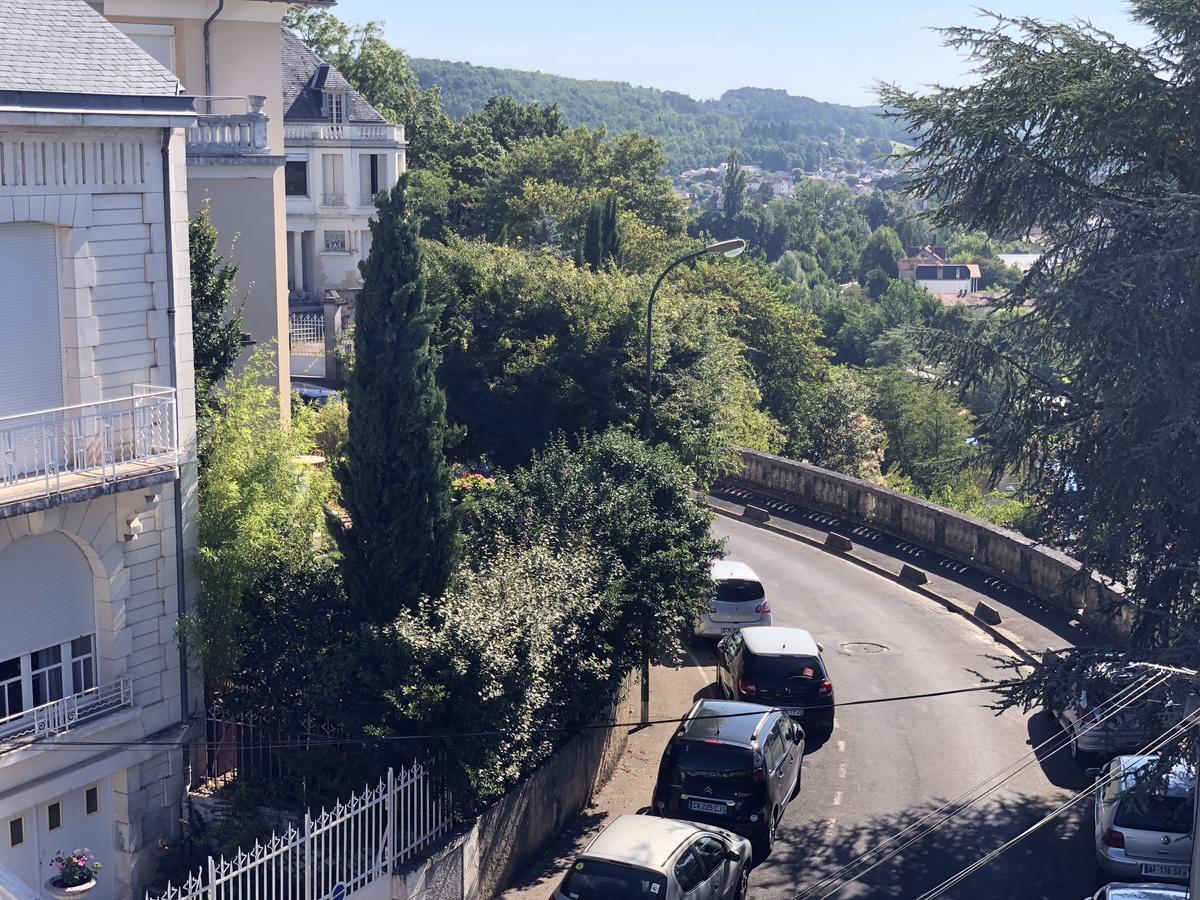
(842, 771)
(837, 799)
(829, 823)
(841, 745)
(701, 670)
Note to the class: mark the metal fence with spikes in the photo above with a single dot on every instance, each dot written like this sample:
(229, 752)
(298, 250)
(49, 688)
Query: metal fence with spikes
(350, 850)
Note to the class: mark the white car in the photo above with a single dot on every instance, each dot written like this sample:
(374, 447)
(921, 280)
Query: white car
(1143, 834)
(739, 600)
(648, 858)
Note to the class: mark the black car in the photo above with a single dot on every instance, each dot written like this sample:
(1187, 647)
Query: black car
(782, 667)
(736, 765)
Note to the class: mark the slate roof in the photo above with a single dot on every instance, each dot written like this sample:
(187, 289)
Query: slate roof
(302, 98)
(65, 46)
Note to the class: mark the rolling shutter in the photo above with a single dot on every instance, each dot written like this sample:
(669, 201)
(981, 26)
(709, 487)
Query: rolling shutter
(156, 40)
(31, 357)
(46, 594)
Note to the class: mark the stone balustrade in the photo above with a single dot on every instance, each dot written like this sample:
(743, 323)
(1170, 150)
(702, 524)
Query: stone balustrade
(1046, 573)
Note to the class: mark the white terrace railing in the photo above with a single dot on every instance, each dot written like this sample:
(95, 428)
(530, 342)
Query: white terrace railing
(348, 851)
(48, 452)
(230, 134)
(327, 131)
(62, 715)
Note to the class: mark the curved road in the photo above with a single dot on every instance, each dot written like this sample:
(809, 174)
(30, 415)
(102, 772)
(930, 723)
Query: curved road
(887, 764)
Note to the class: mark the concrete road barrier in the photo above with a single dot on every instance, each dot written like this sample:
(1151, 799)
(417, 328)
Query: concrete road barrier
(913, 574)
(756, 514)
(988, 614)
(838, 542)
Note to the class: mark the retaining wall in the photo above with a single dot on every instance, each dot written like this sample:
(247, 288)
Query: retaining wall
(1044, 572)
(512, 833)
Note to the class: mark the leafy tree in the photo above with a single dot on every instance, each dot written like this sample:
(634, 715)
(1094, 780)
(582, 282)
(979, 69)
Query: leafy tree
(395, 482)
(1087, 141)
(259, 514)
(841, 433)
(601, 235)
(881, 251)
(733, 194)
(216, 310)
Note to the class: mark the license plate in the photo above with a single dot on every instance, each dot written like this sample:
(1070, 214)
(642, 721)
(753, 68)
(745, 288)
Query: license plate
(794, 712)
(1164, 871)
(705, 807)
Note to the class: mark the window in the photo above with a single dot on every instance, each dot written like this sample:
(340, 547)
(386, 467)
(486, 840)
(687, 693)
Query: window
(46, 666)
(16, 832)
(156, 40)
(596, 879)
(774, 749)
(335, 242)
(710, 852)
(54, 816)
(689, 872)
(736, 590)
(91, 800)
(10, 688)
(83, 664)
(295, 178)
(333, 180)
(337, 108)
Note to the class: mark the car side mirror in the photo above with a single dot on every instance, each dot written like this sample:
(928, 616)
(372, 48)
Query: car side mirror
(821, 648)
(732, 855)
(1094, 772)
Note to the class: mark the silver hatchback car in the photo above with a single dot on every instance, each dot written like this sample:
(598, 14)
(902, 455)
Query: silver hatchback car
(650, 858)
(1139, 892)
(738, 601)
(1144, 835)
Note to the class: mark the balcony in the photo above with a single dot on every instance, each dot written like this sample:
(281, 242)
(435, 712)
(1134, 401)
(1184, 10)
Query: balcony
(55, 451)
(59, 716)
(230, 134)
(327, 132)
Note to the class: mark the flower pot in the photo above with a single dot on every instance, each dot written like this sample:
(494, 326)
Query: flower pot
(65, 893)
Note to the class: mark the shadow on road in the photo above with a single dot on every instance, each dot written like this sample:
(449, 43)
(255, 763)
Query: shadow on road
(1055, 759)
(1055, 863)
(551, 864)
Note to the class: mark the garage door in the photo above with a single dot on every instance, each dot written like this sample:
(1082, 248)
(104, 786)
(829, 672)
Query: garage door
(31, 358)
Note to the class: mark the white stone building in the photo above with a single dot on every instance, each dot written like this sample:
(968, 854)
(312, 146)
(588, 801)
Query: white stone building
(927, 267)
(341, 152)
(97, 446)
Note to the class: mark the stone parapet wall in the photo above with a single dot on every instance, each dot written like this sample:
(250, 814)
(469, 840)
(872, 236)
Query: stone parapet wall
(1046, 573)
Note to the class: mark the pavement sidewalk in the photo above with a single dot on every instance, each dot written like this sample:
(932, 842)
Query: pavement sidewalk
(672, 693)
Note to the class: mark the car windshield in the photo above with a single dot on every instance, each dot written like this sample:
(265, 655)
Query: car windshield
(712, 760)
(1154, 812)
(736, 590)
(594, 879)
(779, 668)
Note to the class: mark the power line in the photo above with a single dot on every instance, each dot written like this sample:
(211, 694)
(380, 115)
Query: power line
(1167, 736)
(1135, 691)
(304, 741)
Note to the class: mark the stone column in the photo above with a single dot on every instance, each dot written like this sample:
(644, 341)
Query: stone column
(298, 261)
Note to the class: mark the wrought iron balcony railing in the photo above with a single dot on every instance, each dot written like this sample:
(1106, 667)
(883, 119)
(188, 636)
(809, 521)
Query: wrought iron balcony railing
(59, 716)
(56, 450)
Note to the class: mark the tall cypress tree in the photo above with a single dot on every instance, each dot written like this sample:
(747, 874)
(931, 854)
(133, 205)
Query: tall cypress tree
(395, 484)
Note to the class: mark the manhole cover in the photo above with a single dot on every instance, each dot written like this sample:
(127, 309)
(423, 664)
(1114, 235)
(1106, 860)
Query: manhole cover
(860, 648)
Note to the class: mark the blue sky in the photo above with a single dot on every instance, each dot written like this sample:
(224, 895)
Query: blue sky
(828, 50)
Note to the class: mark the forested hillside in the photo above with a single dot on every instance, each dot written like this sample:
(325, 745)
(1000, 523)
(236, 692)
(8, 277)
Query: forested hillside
(770, 128)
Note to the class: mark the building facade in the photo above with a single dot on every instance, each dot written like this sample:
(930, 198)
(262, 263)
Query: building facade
(927, 267)
(226, 54)
(341, 152)
(97, 446)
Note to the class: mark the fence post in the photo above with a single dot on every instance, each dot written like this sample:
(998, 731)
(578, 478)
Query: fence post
(308, 861)
(212, 878)
(390, 839)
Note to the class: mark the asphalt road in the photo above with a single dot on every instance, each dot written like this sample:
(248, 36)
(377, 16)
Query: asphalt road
(890, 763)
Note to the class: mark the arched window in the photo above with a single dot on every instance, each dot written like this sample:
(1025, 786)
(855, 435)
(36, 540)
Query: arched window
(47, 605)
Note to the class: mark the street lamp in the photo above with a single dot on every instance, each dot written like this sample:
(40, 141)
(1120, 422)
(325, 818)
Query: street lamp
(729, 249)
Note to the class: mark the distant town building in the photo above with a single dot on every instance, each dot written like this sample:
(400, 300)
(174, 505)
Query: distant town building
(927, 266)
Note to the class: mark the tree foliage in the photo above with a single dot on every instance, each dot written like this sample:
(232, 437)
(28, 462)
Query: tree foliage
(216, 309)
(395, 481)
(1089, 142)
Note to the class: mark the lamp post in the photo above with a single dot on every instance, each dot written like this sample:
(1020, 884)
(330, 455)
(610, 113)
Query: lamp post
(728, 249)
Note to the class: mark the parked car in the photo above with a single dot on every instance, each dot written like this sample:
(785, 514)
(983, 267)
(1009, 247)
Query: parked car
(1144, 833)
(647, 858)
(1094, 738)
(1139, 892)
(738, 600)
(778, 666)
(732, 764)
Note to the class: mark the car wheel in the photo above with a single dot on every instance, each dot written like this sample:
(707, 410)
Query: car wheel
(742, 888)
(766, 839)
